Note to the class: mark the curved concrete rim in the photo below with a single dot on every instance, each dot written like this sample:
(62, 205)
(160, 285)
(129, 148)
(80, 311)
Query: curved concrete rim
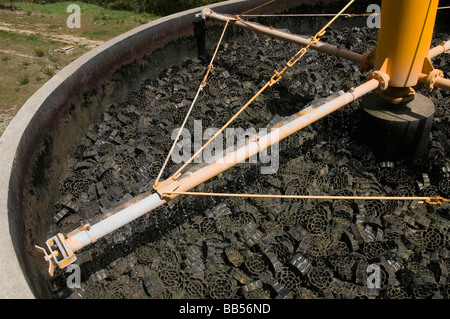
(13, 283)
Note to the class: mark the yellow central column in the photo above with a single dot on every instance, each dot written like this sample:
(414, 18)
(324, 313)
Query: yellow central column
(397, 123)
(404, 39)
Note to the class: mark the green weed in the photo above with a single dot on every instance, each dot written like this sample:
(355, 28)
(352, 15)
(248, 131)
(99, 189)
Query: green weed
(49, 71)
(24, 79)
(39, 52)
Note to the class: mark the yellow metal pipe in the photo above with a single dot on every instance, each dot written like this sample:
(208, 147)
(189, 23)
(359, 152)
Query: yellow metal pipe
(404, 39)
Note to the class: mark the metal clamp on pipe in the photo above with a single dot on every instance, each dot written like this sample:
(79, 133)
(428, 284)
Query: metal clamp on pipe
(167, 187)
(383, 80)
(431, 79)
(60, 253)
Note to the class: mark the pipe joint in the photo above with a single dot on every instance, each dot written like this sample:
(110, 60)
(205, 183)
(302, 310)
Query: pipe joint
(166, 188)
(368, 60)
(430, 80)
(383, 80)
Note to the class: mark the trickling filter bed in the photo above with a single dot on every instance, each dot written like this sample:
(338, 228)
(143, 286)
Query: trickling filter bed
(203, 247)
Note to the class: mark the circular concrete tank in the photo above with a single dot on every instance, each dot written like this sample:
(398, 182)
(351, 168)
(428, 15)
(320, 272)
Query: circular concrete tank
(34, 147)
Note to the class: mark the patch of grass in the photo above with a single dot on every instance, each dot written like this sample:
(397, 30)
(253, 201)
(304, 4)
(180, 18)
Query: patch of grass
(49, 71)
(24, 79)
(39, 52)
(21, 75)
(100, 23)
(91, 10)
(21, 38)
(95, 34)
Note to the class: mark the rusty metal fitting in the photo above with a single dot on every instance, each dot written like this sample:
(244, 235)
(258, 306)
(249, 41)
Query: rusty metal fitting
(275, 78)
(383, 80)
(206, 13)
(60, 253)
(316, 38)
(368, 60)
(437, 201)
(430, 79)
(398, 95)
(166, 188)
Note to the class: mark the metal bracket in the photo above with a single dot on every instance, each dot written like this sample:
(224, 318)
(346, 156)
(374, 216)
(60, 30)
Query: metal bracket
(60, 252)
(165, 188)
(437, 201)
(431, 75)
(368, 60)
(204, 14)
(48, 258)
(383, 80)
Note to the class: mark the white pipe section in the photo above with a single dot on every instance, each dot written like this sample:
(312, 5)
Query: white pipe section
(114, 222)
(443, 84)
(440, 49)
(293, 124)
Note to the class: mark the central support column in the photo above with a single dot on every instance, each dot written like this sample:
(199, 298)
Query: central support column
(397, 132)
(397, 123)
(404, 39)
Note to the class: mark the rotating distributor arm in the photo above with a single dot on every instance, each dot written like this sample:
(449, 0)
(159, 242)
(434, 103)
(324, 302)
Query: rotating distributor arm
(62, 248)
(288, 37)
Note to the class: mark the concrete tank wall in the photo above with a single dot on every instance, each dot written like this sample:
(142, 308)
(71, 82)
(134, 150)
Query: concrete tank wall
(37, 143)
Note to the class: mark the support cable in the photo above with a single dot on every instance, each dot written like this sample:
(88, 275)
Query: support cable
(304, 15)
(438, 201)
(254, 9)
(200, 89)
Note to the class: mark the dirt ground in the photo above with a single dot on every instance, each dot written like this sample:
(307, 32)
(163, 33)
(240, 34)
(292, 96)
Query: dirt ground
(58, 37)
(28, 44)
